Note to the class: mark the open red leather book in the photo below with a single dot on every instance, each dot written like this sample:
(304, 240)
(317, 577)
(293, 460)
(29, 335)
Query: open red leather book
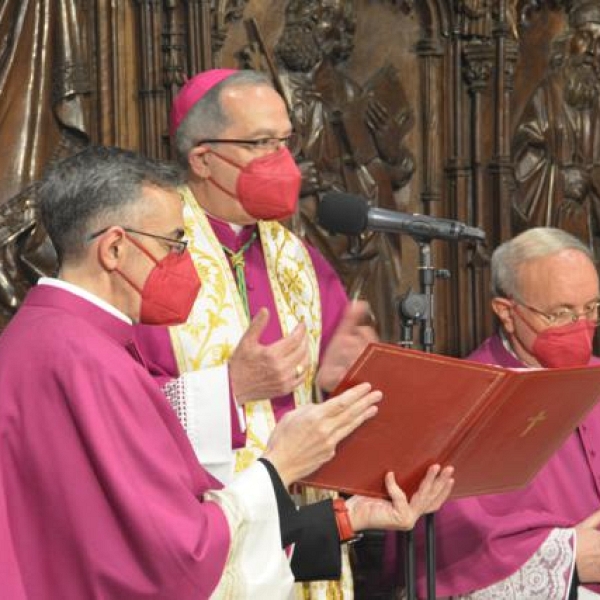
(496, 426)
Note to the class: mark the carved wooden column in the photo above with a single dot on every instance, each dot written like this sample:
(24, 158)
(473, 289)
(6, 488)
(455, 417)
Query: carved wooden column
(478, 61)
(458, 174)
(174, 55)
(431, 54)
(501, 165)
(432, 50)
(151, 90)
(198, 19)
(116, 115)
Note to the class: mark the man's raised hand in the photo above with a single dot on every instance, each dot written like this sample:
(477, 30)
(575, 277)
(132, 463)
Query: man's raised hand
(350, 338)
(260, 371)
(307, 437)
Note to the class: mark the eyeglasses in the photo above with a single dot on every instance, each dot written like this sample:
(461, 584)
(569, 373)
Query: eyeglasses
(266, 143)
(564, 316)
(177, 246)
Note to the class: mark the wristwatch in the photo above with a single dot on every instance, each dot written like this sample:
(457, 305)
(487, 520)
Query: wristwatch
(342, 518)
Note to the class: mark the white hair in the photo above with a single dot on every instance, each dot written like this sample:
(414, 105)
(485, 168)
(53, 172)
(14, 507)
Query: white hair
(533, 243)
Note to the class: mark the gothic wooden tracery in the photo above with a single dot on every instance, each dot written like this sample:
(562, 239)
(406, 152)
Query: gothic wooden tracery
(413, 105)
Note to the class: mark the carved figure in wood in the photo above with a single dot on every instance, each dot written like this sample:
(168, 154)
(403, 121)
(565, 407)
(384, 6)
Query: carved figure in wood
(556, 147)
(350, 139)
(44, 95)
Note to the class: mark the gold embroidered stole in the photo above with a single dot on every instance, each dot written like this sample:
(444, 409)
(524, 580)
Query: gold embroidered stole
(218, 320)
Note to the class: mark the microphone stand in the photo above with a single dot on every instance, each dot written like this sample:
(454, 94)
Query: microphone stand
(420, 308)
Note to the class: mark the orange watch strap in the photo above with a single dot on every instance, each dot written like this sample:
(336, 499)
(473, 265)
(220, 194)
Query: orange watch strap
(342, 519)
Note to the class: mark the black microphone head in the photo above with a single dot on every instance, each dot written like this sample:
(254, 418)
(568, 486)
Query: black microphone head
(338, 212)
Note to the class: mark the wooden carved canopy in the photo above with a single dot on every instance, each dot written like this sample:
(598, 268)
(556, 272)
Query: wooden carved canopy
(425, 106)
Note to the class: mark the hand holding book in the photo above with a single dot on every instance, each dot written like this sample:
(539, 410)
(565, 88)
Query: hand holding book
(496, 426)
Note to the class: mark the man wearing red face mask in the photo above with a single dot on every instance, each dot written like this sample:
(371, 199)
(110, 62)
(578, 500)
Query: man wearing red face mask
(101, 495)
(272, 322)
(542, 541)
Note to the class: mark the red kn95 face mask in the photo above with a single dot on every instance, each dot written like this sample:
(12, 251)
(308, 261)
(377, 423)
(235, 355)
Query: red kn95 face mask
(268, 186)
(170, 289)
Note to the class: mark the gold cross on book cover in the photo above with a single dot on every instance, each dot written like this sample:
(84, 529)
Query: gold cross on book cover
(496, 426)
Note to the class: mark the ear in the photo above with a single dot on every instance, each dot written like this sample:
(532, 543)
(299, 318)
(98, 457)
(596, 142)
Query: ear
(503, 309)
(112, 248)
(197, 159)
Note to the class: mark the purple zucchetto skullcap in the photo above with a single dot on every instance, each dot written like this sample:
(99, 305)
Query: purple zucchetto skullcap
(193, 90)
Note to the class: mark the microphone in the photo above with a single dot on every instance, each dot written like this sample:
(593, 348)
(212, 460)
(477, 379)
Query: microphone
(338, 212)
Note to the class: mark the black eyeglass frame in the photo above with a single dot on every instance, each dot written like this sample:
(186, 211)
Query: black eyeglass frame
(180, 245)
(264, 143)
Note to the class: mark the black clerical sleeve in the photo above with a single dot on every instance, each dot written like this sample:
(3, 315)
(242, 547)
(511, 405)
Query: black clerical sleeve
(574, 591)
(312, 529)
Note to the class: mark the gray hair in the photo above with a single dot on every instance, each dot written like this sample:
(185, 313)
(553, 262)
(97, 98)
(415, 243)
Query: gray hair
(533, 243)
(207, 119)
(96, 188)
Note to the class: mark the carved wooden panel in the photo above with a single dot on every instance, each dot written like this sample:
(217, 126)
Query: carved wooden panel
(417, 106)
(428, 106)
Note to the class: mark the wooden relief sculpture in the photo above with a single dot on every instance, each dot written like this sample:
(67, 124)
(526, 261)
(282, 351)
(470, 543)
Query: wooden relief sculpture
(556, 147)
(48, 52)
(350, 138)
(45, 114)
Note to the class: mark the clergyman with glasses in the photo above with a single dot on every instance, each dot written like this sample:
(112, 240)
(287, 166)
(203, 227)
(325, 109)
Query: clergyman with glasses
(101, 495)
(272, 327)
(542, 541)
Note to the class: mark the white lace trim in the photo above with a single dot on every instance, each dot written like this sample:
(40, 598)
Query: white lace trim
(545, 576)
(174, 390)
